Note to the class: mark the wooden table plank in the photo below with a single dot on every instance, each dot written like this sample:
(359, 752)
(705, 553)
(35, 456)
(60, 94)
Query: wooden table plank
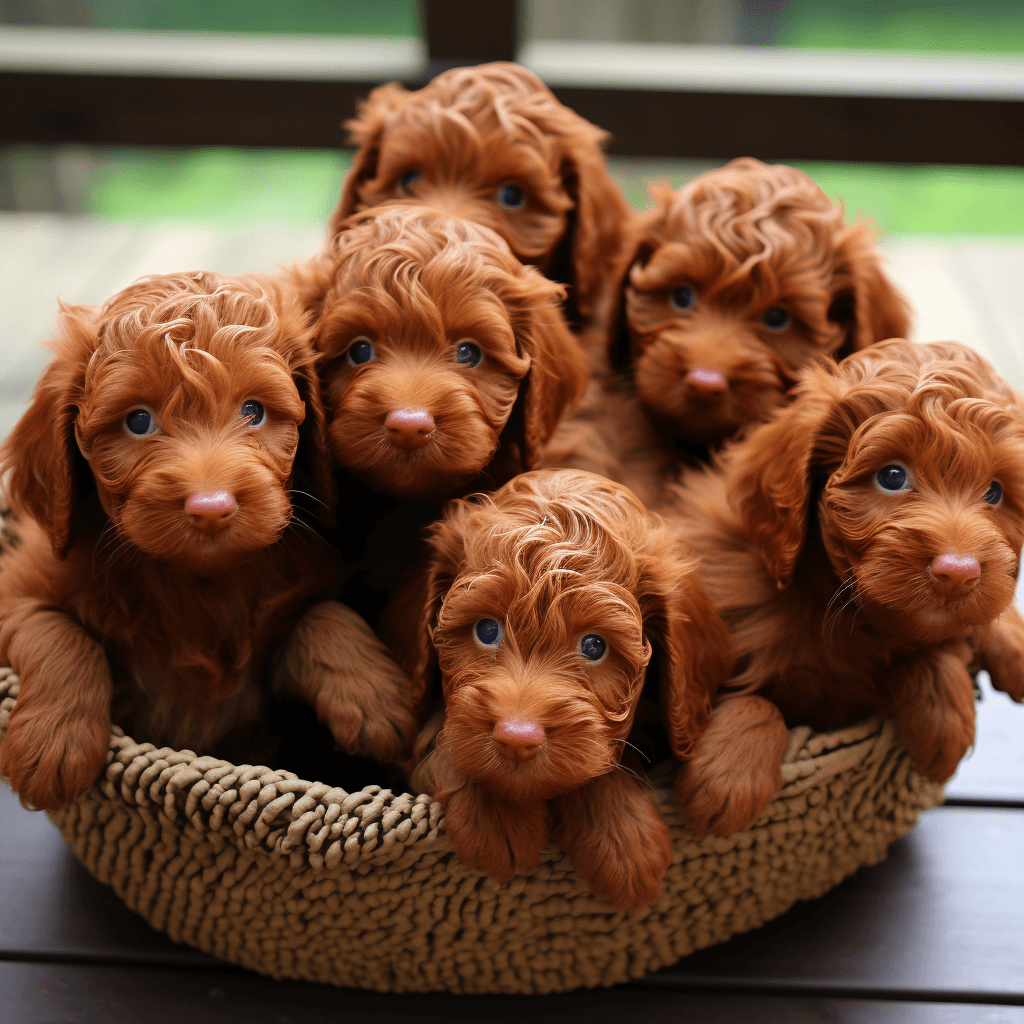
(943, 916)
(61, 994)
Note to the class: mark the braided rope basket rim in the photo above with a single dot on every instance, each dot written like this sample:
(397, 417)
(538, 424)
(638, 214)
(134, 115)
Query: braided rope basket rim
(300, 880)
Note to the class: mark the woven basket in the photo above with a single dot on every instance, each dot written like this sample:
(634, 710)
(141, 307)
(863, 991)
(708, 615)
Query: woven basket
(298, 880)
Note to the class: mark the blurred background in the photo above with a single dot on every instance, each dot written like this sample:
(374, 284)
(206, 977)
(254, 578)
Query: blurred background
(143, 136)
(294, 186)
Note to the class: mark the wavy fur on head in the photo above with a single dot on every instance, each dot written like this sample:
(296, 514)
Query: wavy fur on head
(415, 284)
(831, 584)
(114, 578)
(472, 131)
(554, 557)
(747, 239)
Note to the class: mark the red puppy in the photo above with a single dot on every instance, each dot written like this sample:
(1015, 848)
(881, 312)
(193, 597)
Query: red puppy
(739, 280)
(544, 603)
(160, 550)
(863, 548)
(445, 366)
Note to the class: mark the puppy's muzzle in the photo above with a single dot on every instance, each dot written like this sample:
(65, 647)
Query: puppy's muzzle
(705, 384)
(519, 740)
(955, 574)
(211, 511)
(409, 428)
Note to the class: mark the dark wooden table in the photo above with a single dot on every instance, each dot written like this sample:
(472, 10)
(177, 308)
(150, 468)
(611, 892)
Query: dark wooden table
(934, 934)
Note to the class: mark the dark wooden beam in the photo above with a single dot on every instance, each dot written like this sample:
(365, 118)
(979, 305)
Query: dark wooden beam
(50, 107)
(780, 126)
(461, 32)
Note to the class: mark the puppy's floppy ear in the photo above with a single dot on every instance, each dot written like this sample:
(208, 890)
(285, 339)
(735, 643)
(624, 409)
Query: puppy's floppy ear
(864, 300)
(695, 652)
(600, 227)
(408, 621)
(365, 131)
(559, 368)
(645, 235)
(41, 452)
(769, 473)
(312, 467)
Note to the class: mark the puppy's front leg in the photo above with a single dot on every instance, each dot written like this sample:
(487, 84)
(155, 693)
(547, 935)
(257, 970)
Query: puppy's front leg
(932, 700)
(335, 661)
(616, 839)
(1002, 654)
(57, 740)
(494, 837)
(735, 769)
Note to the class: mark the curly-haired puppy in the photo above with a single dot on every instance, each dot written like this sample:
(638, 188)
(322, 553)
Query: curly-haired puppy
(863, 548)
(541, 605)
(153, 476)
(492, 144)
(739, 280)
(445, 365)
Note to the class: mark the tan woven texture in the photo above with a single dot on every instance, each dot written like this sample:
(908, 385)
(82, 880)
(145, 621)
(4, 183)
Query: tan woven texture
(298, 880)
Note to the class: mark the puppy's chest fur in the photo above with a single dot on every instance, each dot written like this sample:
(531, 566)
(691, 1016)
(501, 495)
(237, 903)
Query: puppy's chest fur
(187, 652)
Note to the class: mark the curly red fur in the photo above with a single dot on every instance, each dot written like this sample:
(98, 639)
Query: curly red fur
(470, 132)
(745, 239)
(114, 583)
(555, 556)
(827, 580)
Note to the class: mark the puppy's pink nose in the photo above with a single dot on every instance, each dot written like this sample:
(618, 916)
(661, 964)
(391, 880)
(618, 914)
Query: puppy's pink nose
(519, 740)
(955, 572)
(409, 428)
(705, 382)
(211, 510)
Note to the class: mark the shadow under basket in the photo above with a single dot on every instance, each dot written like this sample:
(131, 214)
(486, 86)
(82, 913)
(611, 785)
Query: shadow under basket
(300, 880)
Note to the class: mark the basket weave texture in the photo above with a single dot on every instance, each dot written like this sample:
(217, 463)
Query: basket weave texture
(299, 880)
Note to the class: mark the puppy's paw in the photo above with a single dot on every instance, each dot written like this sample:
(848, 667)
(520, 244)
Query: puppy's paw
(710, 802)
(616, 839)
(336, 662)
(1003, 654)
(492, 837)
(935, 710)
(50, 762)
(735, 769)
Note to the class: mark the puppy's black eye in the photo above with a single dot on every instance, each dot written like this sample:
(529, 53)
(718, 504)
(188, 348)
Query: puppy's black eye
(893, 478)
(489, 632)
(360, 351)
(140, 422)
(776, 318)
(683, 298)
(593, 647)
(408, 179)
(511, 197)
(468, 354)
(253, 411)
(994, 494)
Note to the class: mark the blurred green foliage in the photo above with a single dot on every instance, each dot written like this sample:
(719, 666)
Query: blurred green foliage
(315, 17)
(234, 186)
(938, 26)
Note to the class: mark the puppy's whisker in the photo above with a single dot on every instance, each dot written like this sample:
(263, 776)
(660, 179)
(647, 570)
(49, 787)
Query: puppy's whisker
(306, 494)
(633, 746)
